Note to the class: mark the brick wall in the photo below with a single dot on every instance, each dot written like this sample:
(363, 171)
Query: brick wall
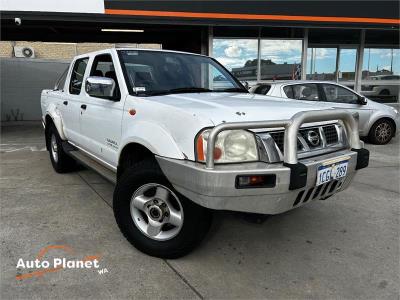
(61, 51)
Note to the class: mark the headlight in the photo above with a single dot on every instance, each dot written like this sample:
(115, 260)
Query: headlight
(395, 110)
(231, 146)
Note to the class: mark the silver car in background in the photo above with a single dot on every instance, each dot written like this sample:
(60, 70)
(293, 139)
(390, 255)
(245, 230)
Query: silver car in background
(378, 122)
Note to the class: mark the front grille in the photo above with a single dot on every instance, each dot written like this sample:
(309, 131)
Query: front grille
(311, 141)
(279, 138)
(331, 134)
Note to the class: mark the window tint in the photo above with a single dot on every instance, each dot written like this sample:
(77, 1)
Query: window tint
(307, 92)
(288, 91)
(335, 93)
(262, 89)
(61, 81)
(77, 76)
(103, 67)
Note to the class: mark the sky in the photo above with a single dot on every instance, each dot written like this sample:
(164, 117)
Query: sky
(234, 53)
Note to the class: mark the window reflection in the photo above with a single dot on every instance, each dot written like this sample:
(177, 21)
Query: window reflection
(238, 55)
(381, 74)
(347, 64)
(281, 59)
(321, 63)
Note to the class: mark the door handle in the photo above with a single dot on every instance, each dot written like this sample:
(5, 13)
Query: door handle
(65, 102)
(83, 106)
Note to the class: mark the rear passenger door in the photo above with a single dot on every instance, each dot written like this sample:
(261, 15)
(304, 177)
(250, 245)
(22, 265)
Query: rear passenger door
(71, 100)
(100, 119)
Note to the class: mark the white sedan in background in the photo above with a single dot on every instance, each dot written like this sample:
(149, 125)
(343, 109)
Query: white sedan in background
(378, 122)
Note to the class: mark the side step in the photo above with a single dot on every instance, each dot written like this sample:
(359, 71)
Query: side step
(87, 161)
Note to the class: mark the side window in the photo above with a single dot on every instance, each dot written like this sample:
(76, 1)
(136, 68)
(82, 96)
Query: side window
(78, 72)
(288, 90)
(263, 89)
(59, 86)
(335, 93)
(103, 67)
(307, 92)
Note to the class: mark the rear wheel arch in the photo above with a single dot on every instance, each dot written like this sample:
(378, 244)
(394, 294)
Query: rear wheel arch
(48, 122)
(54, 115)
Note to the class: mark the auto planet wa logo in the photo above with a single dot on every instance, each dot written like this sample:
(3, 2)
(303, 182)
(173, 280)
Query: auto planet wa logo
(40, 265)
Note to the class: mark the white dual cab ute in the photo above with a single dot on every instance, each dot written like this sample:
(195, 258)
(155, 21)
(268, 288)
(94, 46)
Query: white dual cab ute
(180, 136)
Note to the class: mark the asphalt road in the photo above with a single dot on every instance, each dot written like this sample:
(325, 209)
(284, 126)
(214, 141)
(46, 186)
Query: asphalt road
(346, 247)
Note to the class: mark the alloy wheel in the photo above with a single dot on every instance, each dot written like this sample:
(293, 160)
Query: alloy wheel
(383, 132)
(54, 148)
(156, 211)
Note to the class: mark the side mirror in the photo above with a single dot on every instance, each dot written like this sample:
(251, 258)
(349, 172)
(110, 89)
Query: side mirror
(100, 87)
(245, 84)
(362, 100)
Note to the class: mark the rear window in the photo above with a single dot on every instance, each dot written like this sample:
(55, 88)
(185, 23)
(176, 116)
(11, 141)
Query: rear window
(262, 89)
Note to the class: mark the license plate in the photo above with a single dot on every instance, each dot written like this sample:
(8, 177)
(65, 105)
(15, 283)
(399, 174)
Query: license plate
(331, 171)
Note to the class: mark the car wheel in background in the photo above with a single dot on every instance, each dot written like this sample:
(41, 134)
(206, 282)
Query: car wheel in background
(384, 93)
(381, 132)
(61, 162)
(153, 216)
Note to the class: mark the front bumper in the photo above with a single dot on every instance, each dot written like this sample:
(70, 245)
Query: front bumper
(215, 188)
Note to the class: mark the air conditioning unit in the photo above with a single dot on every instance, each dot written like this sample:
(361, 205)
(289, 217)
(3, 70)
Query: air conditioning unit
(24, 52)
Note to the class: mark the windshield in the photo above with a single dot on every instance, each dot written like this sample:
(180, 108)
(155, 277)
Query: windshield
(150, 73)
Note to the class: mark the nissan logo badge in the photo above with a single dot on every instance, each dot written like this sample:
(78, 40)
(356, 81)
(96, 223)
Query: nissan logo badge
(313, 138)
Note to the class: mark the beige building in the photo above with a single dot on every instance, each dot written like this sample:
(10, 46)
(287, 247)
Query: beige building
(62, 51)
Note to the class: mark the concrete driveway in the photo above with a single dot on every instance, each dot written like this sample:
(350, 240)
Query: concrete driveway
(344, 247)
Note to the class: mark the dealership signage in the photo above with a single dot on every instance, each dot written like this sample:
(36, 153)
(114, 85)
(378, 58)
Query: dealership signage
(326, 11)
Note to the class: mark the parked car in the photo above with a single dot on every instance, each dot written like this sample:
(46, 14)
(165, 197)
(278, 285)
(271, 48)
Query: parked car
(379, 90)
(177, 145)
(378, 122)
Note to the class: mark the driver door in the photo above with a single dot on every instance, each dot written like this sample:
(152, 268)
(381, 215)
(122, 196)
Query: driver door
(101, 119)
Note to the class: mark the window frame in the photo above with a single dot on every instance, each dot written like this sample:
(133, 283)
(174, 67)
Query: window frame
(83, 76)
(117, 86)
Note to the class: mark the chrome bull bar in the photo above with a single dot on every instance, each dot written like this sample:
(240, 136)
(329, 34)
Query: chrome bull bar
(292, 127)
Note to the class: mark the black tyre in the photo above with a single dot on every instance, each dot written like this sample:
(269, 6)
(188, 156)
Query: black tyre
(153, 216)
(381, 132)
(61, 162)
(384, 93)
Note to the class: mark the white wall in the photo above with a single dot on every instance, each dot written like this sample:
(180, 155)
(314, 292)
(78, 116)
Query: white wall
(74, 6)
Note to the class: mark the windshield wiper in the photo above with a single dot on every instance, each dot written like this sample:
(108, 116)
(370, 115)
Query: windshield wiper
(236, 90)
(174, 91)
(191, 89)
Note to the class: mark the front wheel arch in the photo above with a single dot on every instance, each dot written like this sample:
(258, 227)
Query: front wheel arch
(131, 154)
(388, 119)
